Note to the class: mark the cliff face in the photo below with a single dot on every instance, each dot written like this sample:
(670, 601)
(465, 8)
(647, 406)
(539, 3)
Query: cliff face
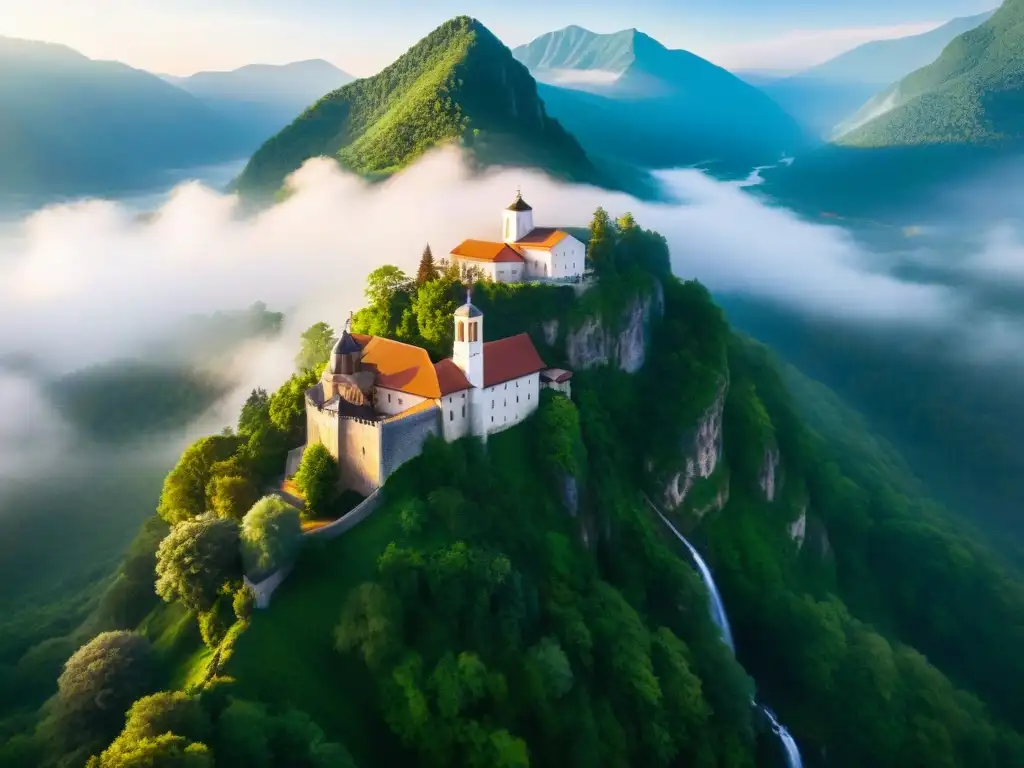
(621, 342)
(702, 449)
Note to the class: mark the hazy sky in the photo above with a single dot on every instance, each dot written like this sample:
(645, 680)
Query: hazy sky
(183, 36)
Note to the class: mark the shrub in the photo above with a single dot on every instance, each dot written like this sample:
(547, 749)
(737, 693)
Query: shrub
(215, 623)
(243, 603)
(271, 536)
(317, 478)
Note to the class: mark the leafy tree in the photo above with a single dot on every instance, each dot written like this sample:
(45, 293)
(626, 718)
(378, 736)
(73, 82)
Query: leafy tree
(271, 537)
(255, 412)
(383, 283)
(316, 347)
(164, 751)
(98, 684)
(166, 712)
(370, 624)
(184, 491)
(434, 305)
(317, 478)
(427, 270)
(197, 559)
(288, 405)
(231, 496)
(601, 248)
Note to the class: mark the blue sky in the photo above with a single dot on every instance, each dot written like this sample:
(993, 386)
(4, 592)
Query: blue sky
(183, 36)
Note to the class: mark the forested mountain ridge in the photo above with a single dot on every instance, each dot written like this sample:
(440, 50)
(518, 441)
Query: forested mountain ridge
(627, 95)
(972, 94)
(69, 124)
(459, 84)
(557, 624)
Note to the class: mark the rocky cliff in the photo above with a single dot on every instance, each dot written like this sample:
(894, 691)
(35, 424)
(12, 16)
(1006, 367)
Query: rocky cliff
(620, 341)
(702, 452)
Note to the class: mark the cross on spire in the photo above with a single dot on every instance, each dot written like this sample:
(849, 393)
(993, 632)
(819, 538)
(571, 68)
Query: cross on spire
(348, 322)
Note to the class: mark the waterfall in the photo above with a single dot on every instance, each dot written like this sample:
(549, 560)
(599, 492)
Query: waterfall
(721, 620)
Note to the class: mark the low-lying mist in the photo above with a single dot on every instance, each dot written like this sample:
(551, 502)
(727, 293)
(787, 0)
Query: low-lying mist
(91, 281)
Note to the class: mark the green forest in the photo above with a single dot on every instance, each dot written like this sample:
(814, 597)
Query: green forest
(518, 603)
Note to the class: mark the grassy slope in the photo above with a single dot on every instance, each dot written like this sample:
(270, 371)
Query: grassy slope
(457, 80)
(286, 655)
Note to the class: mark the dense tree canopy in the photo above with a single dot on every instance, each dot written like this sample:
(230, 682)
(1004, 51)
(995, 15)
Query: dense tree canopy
(197, 559)
(271, 537)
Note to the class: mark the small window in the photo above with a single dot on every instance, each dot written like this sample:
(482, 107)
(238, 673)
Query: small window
(462, 331)
(492, 419)
(463, 397)
(463, 411)
(364, 450)
(506, 385)
(527, 396)
(389, 397)
(492, 405)
(399, 401)
(517, 398)
(517, 385)
(449, 398)
(451, 415)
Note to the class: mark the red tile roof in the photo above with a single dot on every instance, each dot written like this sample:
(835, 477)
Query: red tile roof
(482, 250)
(450, 377)
(542, 238)
(510, 358)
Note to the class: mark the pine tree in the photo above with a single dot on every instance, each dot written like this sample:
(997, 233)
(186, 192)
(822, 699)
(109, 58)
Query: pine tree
(427, 270)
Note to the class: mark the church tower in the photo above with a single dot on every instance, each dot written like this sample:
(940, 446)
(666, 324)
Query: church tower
(516, 220)
(468, 349)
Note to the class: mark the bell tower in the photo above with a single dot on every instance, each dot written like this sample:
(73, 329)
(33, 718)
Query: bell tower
(516, 220)
(468, 349)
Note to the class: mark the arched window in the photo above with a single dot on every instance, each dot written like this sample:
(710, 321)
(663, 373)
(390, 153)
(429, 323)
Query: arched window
(472, 332)
(462, 331)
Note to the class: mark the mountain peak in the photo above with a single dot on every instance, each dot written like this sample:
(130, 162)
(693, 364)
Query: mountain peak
(458, 84)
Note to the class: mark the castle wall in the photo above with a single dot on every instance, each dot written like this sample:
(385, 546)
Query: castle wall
(322, 427)
(456, 415)
(402, 438)
(391, 402)
(507, 404)
(359, 445)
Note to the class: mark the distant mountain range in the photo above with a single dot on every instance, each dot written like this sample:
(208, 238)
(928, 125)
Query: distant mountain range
(822, 96)
(627, 95)
(460, 85)
(69, 124)
(263, 98)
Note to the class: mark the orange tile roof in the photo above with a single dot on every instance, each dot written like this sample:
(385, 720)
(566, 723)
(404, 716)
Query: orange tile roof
(542, 237)
(482, 250)
(399, 366)
(450, 377)
(510, 358)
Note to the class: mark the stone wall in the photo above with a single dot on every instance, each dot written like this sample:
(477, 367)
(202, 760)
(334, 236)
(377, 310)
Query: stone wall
(402, 438)
(359, 455)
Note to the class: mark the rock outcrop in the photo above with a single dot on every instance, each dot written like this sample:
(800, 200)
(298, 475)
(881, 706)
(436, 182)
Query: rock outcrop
(570, 495)
(702, 449)
(769, 480)
(798, 529)
(621, 341)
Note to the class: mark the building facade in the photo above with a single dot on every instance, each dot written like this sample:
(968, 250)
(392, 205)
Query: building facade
(379, 400)
(525, 252)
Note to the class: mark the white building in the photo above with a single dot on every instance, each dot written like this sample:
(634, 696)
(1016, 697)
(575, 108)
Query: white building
(525, 252)
(379, 400)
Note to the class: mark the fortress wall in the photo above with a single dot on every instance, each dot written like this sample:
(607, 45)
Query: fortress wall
(403, 438)
(359, 455)
(322, 427)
